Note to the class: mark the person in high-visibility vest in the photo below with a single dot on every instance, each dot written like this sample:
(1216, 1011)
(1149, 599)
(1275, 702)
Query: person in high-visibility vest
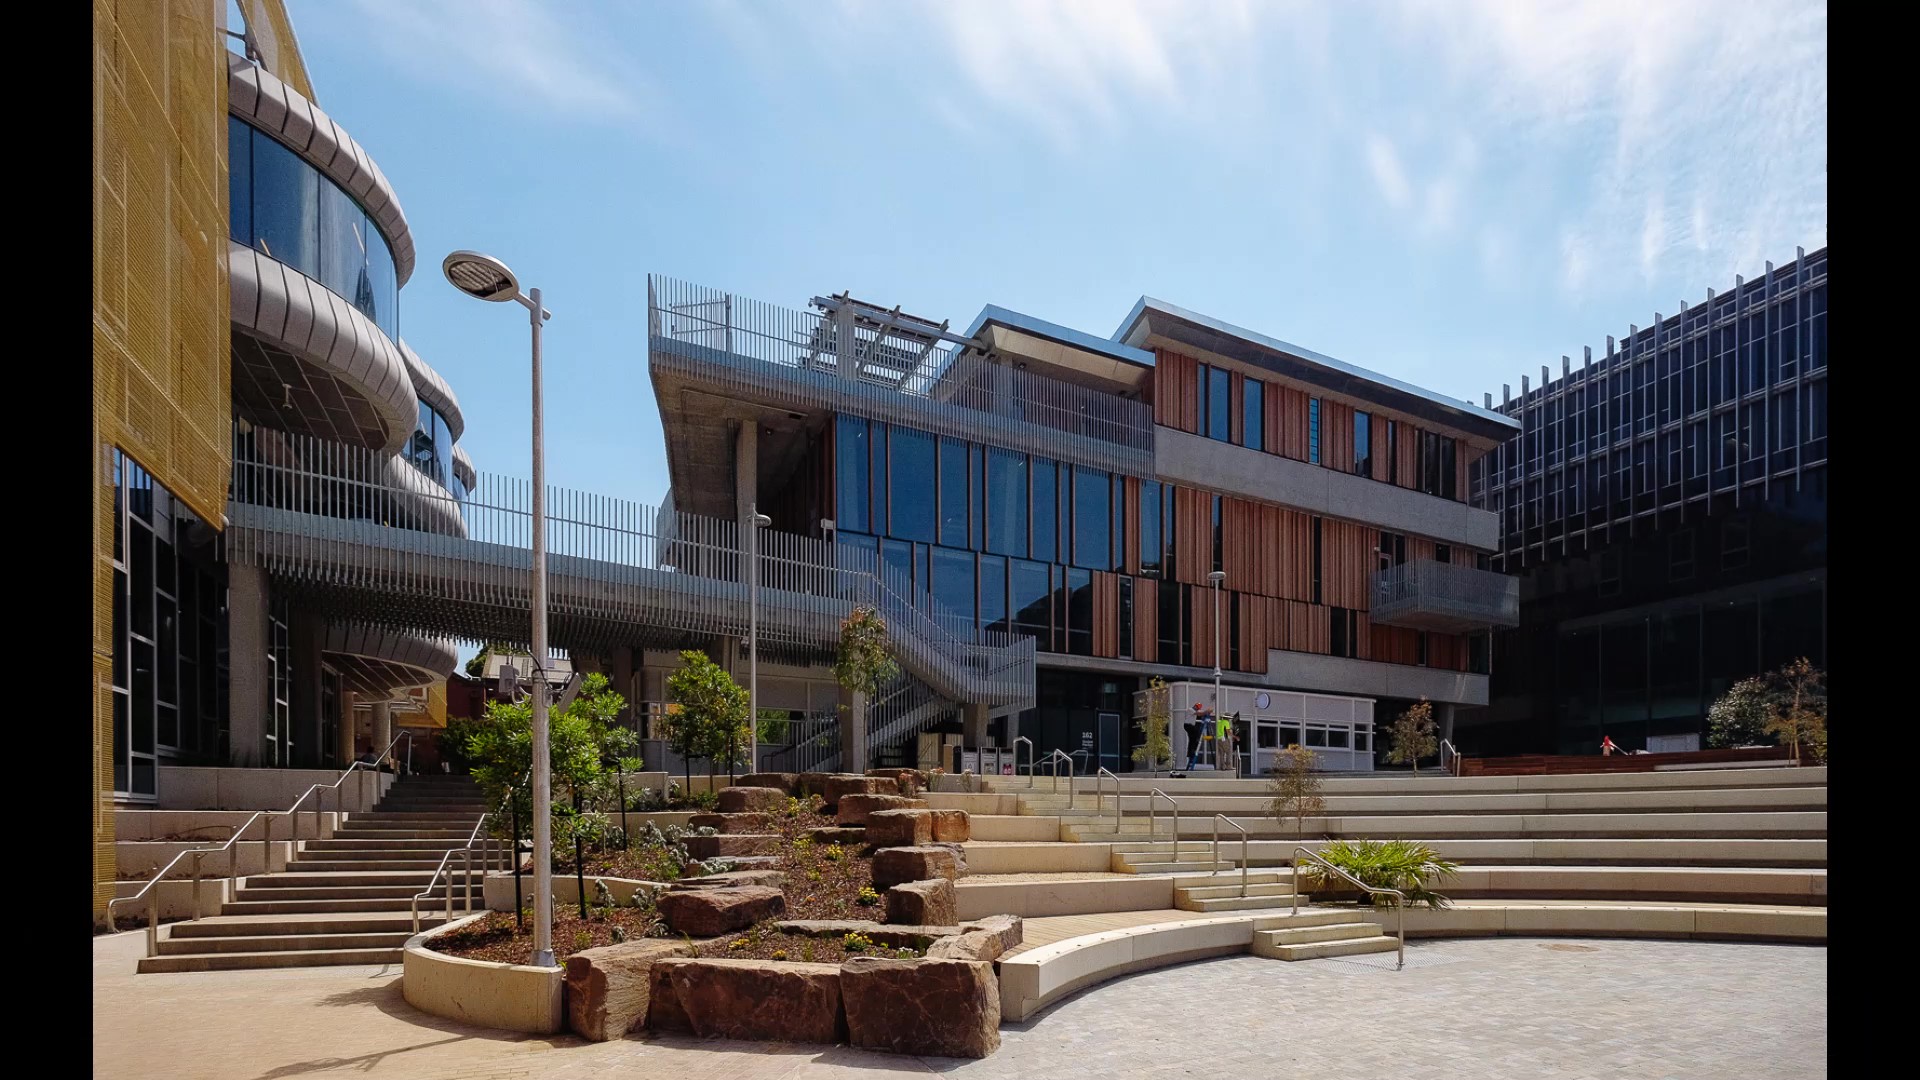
(1223, 743)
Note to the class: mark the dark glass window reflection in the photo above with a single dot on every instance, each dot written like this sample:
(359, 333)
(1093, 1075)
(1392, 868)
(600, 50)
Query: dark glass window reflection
(993, 593)
(1091, 513)
(953, 583)
(911, 484)
(953, 492)
(1006, 502)
(283, 206)
(1030, 588)
(1253, 419)
(850, 474)
(1044, 474)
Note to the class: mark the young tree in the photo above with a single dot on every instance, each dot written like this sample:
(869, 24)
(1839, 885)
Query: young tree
(1740, 717)
(1295, 787)
(1798, 715)
(712, 708)
(1155, 745)
(1414, 736)
(581, 742)
(863, 665)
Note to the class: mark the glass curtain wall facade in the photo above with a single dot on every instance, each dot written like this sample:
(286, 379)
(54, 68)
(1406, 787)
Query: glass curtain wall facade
(1666, 507)
(169, 632)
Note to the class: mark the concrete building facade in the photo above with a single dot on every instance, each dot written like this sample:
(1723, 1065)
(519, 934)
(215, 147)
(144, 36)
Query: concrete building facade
(273, 352)
(1108, 499)
(1664, 509)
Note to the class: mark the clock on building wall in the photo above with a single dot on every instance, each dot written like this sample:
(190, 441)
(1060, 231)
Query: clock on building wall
(1261, 700)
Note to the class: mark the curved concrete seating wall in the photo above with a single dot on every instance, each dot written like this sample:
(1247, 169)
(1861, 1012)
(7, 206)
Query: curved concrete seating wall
(515, 997)
(1034, 979)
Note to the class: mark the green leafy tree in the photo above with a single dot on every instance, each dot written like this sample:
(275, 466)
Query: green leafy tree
(1295, 788)
(863, 663)
(1155, 744)
(1414, 736)
(1740, 717)
(582, 741)
(712, 710)
(1799, 713)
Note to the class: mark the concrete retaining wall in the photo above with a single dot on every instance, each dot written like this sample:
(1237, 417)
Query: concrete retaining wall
(195, 788)
(516, 997)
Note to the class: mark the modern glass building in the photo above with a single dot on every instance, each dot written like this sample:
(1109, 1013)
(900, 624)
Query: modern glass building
(1180, 494)
(275, 350)
(1665, 509)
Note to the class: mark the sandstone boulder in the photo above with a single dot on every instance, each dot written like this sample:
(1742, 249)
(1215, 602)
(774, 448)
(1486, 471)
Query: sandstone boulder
(712, 912)
(909, 781)
(940, 1008)
(788, 783)
(727, 845)
(986, 939)
(839, 787)
(892, 937)
(759, 999)
(855, 809)
(732, 823)
(696, 868)
(663, 1007)
(743, 800)
(608, 988)
(959, 855)
(923, 903)
(815, 783)
(951, 825)
(895, 866)
(899, 828)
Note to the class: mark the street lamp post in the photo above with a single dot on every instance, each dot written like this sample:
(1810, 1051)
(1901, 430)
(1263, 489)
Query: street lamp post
(1213, 580)
(484, 277)
(759, 521)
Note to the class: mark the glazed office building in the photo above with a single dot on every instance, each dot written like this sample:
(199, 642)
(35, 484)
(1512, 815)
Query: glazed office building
(249, 259)
(1026, 479)
(1665, 509)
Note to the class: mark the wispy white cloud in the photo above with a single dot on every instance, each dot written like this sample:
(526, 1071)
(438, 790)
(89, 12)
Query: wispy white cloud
(1388, 175)
(533, 57)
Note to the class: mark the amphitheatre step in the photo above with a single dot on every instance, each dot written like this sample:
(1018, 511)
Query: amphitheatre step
(362, 832)
(301, 877)
(302, 907)
(1316, 950)
(372, 862)
(1203, 892)
(1336, 931)
(249, 960)
(381, 843)
(1195, 866)
(281, 943)
(221, 926)
(1235, 902)
(391, 895)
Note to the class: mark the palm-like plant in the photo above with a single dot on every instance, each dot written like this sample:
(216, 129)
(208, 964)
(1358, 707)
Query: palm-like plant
(1389, 864)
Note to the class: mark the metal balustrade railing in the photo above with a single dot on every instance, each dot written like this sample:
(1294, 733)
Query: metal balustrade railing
(901, 372)
(310, 513)
(1427, 587)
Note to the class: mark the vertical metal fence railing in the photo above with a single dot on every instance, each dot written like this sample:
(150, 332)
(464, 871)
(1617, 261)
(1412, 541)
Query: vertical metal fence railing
(322, 513)
(890, 374)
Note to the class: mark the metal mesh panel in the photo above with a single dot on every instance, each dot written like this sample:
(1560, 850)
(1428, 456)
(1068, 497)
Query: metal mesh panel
(160, 333)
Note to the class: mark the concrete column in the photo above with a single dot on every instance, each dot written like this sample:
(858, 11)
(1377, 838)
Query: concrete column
(746, 472)
(247, 673)
(853, 731)
(303, 639)
(623, 681)
(1445, 719)
(382, 726)
(973, 725)
(349, 725)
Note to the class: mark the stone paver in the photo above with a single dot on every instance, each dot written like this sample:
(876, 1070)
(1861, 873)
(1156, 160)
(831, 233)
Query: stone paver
(1492, 1009)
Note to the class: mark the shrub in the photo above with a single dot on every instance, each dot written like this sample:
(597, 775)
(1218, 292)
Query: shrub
(867, 897)
(1295, 787)
(1391, 864)
(834, 853)
(1414, 736)
(856, 942)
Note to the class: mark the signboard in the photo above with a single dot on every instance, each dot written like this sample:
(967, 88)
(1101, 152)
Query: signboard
(970, 761)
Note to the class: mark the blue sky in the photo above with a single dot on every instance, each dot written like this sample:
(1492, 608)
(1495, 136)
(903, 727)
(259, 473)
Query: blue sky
(1450, 192)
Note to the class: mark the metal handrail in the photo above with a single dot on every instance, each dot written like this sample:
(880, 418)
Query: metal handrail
(150, 891)
(1053, 759)
(1400, 898)
(1449, 757)
(466, 859)
(1097, 786)
(1217, 819)
(1017, 740)
(1153, 820)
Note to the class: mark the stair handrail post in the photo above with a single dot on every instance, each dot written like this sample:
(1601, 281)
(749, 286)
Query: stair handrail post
(153, 922)
(197, 856)
(1098, 779)
(1399, 898)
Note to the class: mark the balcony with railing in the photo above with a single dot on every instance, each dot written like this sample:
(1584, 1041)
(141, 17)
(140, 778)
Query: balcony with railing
(848, 358)
(1429, 595)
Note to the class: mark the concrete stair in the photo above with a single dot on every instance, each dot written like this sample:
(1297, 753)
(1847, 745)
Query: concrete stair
(1317, 950)
(343, 900)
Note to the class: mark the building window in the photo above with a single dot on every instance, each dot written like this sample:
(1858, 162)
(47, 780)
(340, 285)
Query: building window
(1219, 541)
(1168, 621)
(1045, 514)
(1316, 560)
(993, 594)
(1345, 637)
(1092, 513)
(953, 493)
(1219, 403)
(910, 467)
(1126, 618)
(1313, 430)
(1150, 528)
(1253, 415)
(1609, 577)
(1362, 444)
(1443, 554)
(1080, 612)
(1233, 632)
(1680, 555)
(1393, 452)
(953, 582)
(1420, 649)
(1449, 469)
(1032, 592)
(1734, 538)
(1006, 502)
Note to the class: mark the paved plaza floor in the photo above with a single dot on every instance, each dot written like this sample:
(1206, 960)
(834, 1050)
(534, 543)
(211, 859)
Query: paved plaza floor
(1490, 1009)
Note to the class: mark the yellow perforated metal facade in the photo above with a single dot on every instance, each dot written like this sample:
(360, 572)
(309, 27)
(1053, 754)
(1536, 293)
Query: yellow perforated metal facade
(160, 317)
